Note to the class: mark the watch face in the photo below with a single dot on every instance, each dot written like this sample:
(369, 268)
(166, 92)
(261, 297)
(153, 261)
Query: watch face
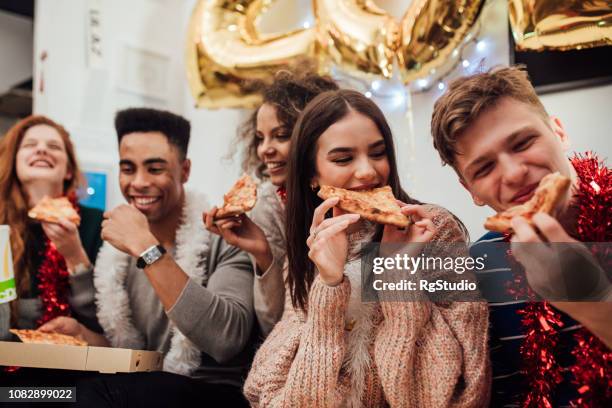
(151, 256)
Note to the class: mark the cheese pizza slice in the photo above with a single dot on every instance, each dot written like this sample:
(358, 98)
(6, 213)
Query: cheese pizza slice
(38, 337)
(240, 199)
(54, 209)
(378, 205)
(547, 196)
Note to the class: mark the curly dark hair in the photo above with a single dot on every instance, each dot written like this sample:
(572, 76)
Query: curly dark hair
(289, 94)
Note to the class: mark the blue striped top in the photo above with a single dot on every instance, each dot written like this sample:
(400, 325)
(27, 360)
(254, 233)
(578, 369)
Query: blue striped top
(506, 333)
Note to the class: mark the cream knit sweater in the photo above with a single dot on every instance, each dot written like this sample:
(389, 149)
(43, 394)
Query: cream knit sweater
(414, 354)
(269, 287)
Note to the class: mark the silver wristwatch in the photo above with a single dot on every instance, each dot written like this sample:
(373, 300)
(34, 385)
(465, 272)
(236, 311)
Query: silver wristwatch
(150, 256)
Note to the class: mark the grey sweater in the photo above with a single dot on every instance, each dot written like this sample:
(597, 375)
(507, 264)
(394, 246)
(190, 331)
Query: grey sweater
(224, 330)
(216, 317)
(208, 331)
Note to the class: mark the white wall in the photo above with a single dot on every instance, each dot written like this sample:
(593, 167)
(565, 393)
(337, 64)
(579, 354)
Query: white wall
(140, 65)
(16, 45)
(585, 115)
(85, 97)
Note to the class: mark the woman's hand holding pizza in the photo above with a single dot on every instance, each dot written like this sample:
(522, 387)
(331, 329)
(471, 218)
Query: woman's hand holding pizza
(240, 231)
(328, 241)
(404, 242)
(64, 325)
(420, 231)
(65, 236)
(71, 327)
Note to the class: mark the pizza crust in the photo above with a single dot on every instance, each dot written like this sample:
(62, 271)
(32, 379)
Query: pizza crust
(38, 337)
(547, 196)
(378, 205)
(240, 199)
(54, 209)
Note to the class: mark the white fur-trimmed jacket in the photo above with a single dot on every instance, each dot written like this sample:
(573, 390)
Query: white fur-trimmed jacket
(212, 319)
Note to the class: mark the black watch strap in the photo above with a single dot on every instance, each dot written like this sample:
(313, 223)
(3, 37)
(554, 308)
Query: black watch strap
(150, 256)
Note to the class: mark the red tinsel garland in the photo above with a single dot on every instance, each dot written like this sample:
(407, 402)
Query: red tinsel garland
(54, 285)
(592, 370)
(541, 325)
(282, 193)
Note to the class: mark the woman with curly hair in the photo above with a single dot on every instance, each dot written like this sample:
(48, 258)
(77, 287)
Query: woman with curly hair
(267, 136)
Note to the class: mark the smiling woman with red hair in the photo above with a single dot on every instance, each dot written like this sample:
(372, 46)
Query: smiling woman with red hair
(52, 261)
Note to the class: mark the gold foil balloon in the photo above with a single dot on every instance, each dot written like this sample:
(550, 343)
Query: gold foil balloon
(226, 52)
(560, 24)
(357, 36)
(228, 58)
(430, 31)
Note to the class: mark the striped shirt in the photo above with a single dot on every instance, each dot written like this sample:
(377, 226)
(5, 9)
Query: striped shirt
(506, 332)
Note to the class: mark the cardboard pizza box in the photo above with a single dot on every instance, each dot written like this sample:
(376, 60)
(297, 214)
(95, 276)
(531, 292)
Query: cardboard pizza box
(102, 359)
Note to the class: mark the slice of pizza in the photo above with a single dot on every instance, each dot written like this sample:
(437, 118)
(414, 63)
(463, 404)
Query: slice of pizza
(547, 196)
(54, 209)
(38, 337)
(240, 199)
(378, 205)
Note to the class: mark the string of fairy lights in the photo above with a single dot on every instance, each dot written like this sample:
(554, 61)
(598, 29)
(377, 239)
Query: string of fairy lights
(468, 57)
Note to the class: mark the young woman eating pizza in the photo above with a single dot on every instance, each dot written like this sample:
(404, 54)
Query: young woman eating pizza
(331, 349)
(267, 135)
(53, 261)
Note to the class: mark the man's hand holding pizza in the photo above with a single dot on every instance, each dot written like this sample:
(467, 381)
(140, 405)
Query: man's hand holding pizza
(563, 270)
(127, 229)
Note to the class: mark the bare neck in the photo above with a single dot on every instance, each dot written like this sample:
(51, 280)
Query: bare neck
(38, 189)
(165, 228)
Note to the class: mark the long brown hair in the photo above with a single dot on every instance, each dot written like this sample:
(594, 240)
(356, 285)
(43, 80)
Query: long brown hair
(14, 201)
(322, 112)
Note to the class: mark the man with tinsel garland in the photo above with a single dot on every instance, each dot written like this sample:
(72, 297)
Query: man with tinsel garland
(164, 283)
(494, 131)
